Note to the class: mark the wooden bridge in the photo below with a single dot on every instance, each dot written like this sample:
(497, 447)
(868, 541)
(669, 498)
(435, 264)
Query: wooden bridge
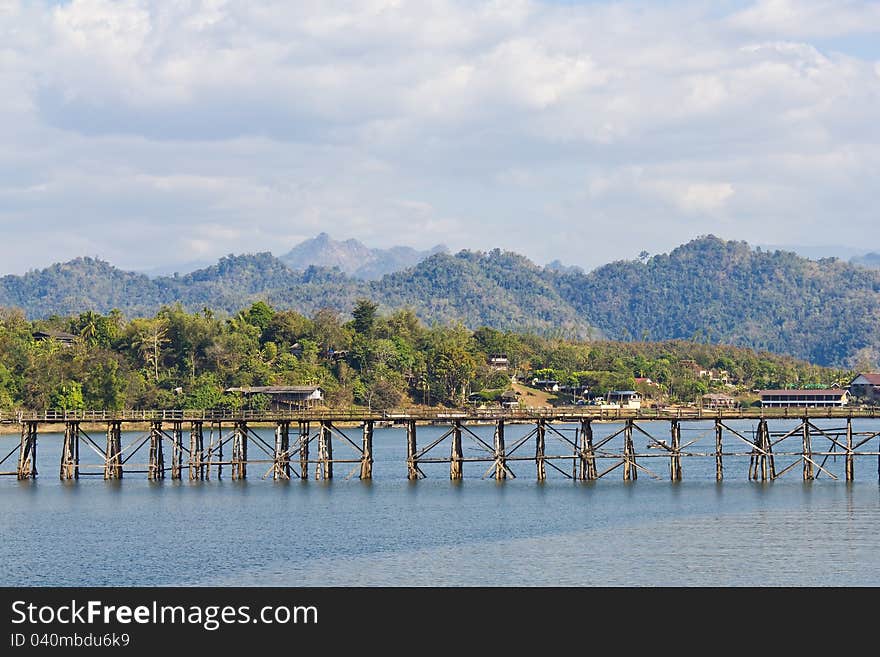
(196, 440)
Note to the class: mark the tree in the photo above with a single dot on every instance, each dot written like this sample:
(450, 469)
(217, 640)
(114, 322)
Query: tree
(260, 315)
(149, 339)
(364, 315)
(68, 397)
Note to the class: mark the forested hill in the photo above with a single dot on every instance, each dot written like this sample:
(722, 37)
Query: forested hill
(825, 311)
(711, 290)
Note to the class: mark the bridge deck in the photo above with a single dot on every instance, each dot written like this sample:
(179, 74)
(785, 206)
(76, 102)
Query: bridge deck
(562, 413)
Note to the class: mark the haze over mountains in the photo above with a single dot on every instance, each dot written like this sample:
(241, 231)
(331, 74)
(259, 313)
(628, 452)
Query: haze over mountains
(825, 311)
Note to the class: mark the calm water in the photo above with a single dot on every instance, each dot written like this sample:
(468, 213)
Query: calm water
(436, 532)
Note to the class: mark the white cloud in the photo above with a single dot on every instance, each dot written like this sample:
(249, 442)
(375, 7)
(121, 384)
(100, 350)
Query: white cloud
(248, 126)
(809, 18)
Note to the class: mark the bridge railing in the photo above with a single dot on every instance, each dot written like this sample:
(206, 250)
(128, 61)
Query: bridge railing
(438, 415)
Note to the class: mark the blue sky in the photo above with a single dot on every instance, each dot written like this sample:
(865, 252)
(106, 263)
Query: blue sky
(153, 133)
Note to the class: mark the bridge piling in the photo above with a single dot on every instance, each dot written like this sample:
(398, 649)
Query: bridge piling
(304, 439)
(70, 451)
(675, 459)
(456, 455)
(587, 469)
(27, 452)
(196, 452)
(281, 462)
(325, 452)
(367, 451)
(630, 472)
(412, 466)
(540, 447)
(807, 450)
(156, 466)
(113, 453)
(239, 450)
(500, 458)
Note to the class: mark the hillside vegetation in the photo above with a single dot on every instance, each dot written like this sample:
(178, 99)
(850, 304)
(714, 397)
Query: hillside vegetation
(708, 290)
(178, 359)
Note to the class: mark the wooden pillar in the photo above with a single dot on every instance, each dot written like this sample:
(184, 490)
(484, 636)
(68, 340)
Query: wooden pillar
(367, 451)
(156, 467)
(325, 452)
(196, 450)
(719, 466)
(412, 466)
(761, 461)
(176, 449)
(113, 453)
(216, 454)
(808, 451)
(587, 455)
(629, 470)
(457, 454)
(675, 459)
(281, 469)
(27, 451)
(70, 451)
(850, 471)
(500, 458)
(239, 450)
(540, 432)
(304, 450)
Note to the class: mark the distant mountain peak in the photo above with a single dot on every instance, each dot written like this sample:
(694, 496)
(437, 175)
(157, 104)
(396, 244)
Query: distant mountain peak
(353, 257)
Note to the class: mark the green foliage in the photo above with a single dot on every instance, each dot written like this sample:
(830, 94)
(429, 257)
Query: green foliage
(67, 397)
(707, 291)
(182, 359)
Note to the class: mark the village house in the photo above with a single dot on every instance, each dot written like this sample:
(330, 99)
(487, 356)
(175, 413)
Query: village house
(804, 398)
(866, 386)
(509, 399)
(498, 362)
(624, 398)
(547, 385)
(284, 398)
(714, 400)
(66, 339)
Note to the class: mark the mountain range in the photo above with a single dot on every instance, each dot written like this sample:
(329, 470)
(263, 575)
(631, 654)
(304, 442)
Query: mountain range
(826, 311)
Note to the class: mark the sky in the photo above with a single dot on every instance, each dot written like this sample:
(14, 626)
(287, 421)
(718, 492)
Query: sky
(150, 133)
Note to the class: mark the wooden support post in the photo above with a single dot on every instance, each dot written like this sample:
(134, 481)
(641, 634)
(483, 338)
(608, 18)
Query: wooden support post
(176, 449)
(500, 458)
(412, 466)
(113, 453)
(325, 452)
(196, 450)
(675, 459)
(719, 466)
(587, 456)
(630, 472)
(281, 469)
(304, 450)
(70, 451)
(156, 467)
(219, 452)
(850, 471)
(239, 450)
(808, 451)
(761, 460)
(27, 451)
(367, 449)
(541, 467)
(457, 454)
